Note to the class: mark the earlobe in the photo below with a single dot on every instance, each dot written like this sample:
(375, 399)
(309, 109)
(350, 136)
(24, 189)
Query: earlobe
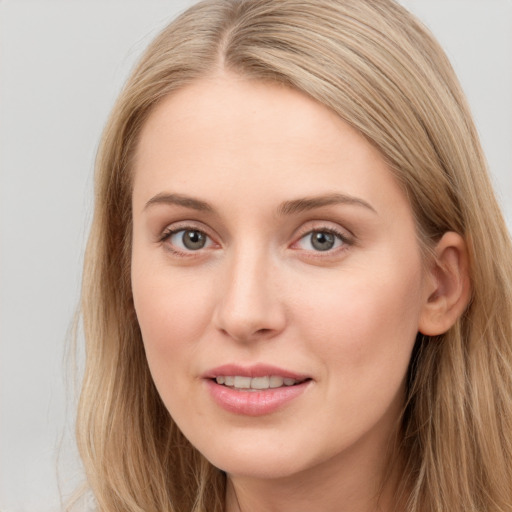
(448, 288)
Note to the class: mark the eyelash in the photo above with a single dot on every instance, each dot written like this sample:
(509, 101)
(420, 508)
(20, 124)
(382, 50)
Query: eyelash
(170, 232)
(343, 238)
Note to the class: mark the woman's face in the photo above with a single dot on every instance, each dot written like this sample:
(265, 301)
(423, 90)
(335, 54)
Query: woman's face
(277, 278)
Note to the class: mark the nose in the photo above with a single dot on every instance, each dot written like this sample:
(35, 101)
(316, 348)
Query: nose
(250, 305)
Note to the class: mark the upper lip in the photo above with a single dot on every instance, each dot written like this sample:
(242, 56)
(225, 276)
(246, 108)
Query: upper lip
(256, 370)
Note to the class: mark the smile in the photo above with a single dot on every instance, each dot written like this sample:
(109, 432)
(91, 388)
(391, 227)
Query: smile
(255, 390)
(244, 383)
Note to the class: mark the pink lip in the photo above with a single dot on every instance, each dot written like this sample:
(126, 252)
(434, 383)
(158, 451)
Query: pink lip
(254, 403)
(257, 370)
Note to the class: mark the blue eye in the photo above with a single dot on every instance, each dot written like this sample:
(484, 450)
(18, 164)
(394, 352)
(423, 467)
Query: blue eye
(189, 240)
(321, 241)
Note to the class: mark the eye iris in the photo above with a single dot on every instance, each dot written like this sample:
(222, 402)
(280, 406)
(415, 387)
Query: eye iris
(322, 241)
(194, 240)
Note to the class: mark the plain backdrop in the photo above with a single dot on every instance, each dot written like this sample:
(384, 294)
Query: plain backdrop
(62, 63)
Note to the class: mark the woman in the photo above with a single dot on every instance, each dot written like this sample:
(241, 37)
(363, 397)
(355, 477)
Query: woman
(297, 285)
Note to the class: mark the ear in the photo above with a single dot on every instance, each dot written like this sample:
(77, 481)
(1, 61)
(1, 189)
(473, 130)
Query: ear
(448, 288)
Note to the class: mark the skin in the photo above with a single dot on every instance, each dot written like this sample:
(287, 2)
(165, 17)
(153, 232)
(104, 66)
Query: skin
(260, 292)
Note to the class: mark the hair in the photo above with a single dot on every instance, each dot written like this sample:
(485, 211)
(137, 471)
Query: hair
(382, 72)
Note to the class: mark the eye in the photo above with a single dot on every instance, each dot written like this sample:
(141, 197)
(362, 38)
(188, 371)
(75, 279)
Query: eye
(186, 240)
(322, 240)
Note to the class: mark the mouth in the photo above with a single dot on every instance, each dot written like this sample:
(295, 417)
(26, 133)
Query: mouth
(256, 390)
(262, 383)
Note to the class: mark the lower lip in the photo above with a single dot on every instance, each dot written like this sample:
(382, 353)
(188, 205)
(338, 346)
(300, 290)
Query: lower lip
(254, 403)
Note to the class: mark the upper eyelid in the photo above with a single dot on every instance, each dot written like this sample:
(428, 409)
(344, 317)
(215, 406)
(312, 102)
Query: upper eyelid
(323, 225)
(346, 241)
(305, 229)
(190, 225)
(321, 229)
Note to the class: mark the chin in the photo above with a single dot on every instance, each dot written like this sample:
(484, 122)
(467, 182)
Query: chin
(267, 469)
(270, 460)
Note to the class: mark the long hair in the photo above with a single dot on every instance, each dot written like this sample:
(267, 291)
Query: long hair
(382, 72)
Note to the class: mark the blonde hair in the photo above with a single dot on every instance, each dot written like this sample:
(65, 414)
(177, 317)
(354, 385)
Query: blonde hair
(382, 72)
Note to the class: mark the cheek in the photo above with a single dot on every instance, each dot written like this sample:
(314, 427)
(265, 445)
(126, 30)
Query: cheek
(173, 311)
(364, 323)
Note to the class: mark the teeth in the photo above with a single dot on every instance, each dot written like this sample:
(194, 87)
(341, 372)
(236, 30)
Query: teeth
(242, 382)
(276, 382)
(260, 382)
(255, 383)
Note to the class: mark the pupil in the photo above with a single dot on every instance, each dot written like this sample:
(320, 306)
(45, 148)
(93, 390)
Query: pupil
(322, 241)
(194, 240)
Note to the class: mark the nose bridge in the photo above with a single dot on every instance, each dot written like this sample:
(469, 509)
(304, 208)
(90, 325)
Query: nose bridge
(249, 306)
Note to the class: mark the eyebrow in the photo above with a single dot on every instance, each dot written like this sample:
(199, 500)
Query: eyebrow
(179, 200)
(287, 208)
(310, 203)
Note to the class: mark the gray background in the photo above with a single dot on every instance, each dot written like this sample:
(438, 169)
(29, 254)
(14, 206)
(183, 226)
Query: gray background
(61, 65)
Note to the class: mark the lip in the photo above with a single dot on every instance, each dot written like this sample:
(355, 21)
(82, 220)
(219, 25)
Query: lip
(256, 370)
(254, 403)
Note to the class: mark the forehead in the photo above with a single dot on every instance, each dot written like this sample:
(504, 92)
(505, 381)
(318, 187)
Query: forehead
(262, 139)
(227, 110)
